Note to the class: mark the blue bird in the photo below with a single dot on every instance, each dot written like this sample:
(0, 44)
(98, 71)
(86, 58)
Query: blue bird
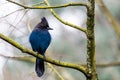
(40, 39)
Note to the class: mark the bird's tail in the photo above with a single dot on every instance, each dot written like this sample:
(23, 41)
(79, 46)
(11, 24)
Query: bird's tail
(39, 68)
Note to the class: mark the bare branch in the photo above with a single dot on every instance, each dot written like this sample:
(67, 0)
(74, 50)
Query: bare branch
(30, 59)
(57, 73)
(39, 3)
(110, 17)
(111, 64)
(12, 13)
(49, 7)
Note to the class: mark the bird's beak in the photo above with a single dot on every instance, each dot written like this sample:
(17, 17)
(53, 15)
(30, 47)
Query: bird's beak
(49, 28)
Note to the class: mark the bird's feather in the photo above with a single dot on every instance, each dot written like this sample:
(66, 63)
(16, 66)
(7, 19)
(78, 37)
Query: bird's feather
(40, 40)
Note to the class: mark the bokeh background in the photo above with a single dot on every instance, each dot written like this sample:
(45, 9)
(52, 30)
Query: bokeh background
(68, 44)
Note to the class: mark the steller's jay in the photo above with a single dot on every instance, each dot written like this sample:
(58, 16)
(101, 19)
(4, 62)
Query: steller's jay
(40, 40)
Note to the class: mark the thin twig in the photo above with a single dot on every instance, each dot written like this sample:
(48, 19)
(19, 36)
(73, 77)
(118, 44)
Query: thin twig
(39, 3)
(57, 73)
(11, 13)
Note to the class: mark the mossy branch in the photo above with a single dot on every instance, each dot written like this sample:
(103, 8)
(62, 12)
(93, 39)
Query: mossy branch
(91, 61)
(35, 54)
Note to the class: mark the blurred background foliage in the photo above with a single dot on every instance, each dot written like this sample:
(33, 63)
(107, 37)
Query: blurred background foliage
(68, 44)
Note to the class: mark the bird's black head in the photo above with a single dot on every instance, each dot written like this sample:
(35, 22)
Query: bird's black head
(44, 24)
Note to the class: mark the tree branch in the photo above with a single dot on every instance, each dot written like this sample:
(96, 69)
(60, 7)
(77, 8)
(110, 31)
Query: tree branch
(65, 22)
(57, 73)
(91, 59)
(30, 59)
(35, 54)
(49, 7)
(12, 13)
(115, 24)
(111, 64)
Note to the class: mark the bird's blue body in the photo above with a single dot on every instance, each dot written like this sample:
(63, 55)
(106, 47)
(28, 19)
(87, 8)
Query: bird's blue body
(40, 40)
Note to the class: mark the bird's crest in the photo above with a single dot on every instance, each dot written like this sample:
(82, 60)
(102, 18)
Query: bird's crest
(44, 22)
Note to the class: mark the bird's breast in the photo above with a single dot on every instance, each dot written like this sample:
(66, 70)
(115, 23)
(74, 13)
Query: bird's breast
(40, 40)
